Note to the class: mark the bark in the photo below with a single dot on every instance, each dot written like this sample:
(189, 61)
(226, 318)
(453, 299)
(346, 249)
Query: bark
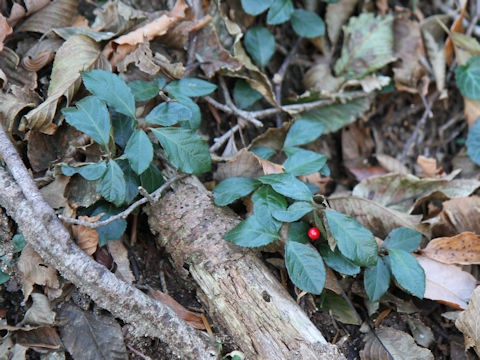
(236, 287)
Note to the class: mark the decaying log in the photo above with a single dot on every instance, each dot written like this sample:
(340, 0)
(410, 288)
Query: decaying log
(239, 291)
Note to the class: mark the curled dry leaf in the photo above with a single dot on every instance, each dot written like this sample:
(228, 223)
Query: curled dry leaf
(142, 57)
(18, 12)
(41, 54)
(16, 75)
(448, 284)
(468, 322)
(13, 102)
(460, 215)
(34, 271)
(87, 238)
(463, 249)
(5, 30)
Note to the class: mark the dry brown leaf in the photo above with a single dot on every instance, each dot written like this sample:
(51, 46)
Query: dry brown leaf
(41, 54)
(448, 284)
(325, 184)
(457, 27)
(143, 58)
(187, 315)
(34, 271)
(357, 144)
(87, 238)
(429, 167)
(56, 14)
(40, 312)
(13, 102)
(337, 15)
(16, 75)
(391, 164)
(5, 30)
(461, 214)
(468, 322)
(53, 192)
(120, 255)
(362, 173)
(18, 12)
(463, 249)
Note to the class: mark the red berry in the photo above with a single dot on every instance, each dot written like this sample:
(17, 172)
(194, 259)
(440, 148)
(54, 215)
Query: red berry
(313, 233)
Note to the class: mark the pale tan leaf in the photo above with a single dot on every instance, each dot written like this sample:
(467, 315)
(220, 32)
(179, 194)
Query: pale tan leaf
(117, 17)
(273, 138)
(391, 164)
(319, 77)
(462, 214)
(429, 167)
(448, 284)
(40, 312)
(41, 54)
(336, 16)
(87, 238)
(34, 270)
(13, 102)
(463, 249)
(399, 344)
(15, 74)
(120, 255)
(468, 322)
(433, 36)
(58, 13)
(369, 83)
(53, 192)
(142, 57)
(5, 30)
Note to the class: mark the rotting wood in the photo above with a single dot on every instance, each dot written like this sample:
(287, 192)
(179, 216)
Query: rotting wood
(236, 287)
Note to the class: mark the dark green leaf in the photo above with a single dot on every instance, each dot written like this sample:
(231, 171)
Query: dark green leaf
(112, 186)
(307, 24)
(303, 162)
(303, 131)
(287, 185)
(353, 240)
(168, 113)
(294, 212)
(89, 172)
(265, 202)
(131, 179)
(279, 12)
(143, 90)
(19, 241)
(122, 128)
(186, 150)
(4, 277)
(251, 233)
(338, 262)
(404, 239)
(376, 280)
(112, 89)
(194, 122)
(112, 231)
(473, 142)
(191, 87)
(468, 78)
(260, 45)
(407, 272)
(139, 151)
(91, 117)
(151, 178)
(298, 231)
(232, 189)
(325, 170)
(305, 267)
(244, 95)
(256, 7)
(338, 307)
(263, 152)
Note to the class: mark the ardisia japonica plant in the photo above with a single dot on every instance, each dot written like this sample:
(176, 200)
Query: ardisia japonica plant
(285, 209)
(109, 117)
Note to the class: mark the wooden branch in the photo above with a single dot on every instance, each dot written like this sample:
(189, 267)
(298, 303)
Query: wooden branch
(42, 230)
(237, 288)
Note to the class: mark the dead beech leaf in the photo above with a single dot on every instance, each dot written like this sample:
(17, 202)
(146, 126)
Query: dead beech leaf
(468, 322)
(87, 238)
(13, 102)
(18, 12)
(457, 27)
(399, 344)
(44, 338)
(325, 184)
(34, 271)
(41, 54)
(40, 312)
(187, 315)
(429, 167)
(15, 74)
(362, 173)
(448, 284)
(53, 192)
(391, 164)
(357, 145)
(120, 255)
(56, 14)
(142, 57)
(336, 16)
(5, 30)
(462, 214)
(463, 249)
(319, 77)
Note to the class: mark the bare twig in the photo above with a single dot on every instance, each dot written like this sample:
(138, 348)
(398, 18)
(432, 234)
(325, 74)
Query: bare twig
(154, 196)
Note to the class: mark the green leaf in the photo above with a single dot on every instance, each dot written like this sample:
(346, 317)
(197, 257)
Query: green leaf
(307, 24)
(403, 239)
(112, 89)
(334, 117)
(303, 162)
(260, 45)
(131, 179)
(194, 121)
(256, 7)
(265, 202)
(123, 127)
(191, 87)
(232, 189)
(279, 12)
(338, 262)
(143, 90)
(112, 186)
(186, 150)
(112, 231)
(376, 280)
(305, 267)
(468, 78)
(251, 233)
(473, 142)
(168, 113)
(303, 131)
(367, 45)
(338, 307)
(294, 212)
(4, 277)
(19, 241)
(152, 178)
(91, 117)
(93, 171)
(407, 272)
(244, 95)
(139, 151)
(353, 240)
(263, 152)
(287, 185)
(298, 231)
